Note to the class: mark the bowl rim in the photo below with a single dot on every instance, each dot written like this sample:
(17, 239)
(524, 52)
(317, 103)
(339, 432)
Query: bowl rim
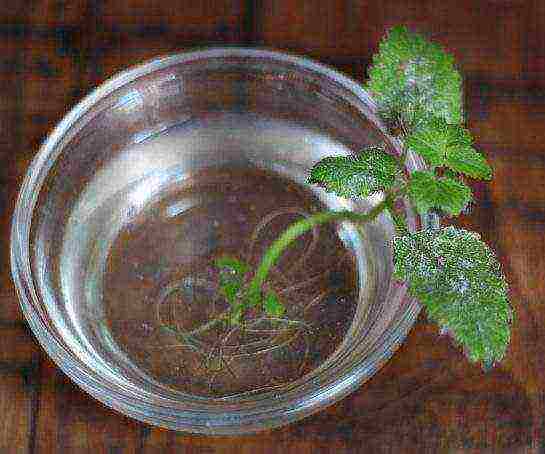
(24, 282)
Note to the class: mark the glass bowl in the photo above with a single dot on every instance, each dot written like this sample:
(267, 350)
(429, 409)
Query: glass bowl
(162, 169)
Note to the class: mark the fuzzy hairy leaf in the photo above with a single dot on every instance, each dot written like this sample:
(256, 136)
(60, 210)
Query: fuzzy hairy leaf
(458, 279)
(466, 160)
(434, 139)
(447, 194)
(372, 170)
(412, 79)
(443, 144)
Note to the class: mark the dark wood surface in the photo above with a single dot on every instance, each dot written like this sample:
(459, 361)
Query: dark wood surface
(427, 398)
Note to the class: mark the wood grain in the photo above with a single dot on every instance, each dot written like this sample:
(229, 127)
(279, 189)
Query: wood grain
(19, 387)
(70, 421)
(354, 28)
(427, 398)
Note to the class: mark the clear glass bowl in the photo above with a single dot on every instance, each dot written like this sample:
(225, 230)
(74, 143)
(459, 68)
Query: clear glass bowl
(146, 178)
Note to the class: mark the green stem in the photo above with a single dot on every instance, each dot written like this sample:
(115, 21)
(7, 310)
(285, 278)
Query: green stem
(293, 232)
(298, 228)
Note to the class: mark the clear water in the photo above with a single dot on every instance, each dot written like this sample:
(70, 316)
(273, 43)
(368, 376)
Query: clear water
(138, 246)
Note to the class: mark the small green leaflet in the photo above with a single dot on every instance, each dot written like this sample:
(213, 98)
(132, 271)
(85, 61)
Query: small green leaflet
(232, 273)
(413, 78)
(458, 279)
(372, 170)
(448, 194)
(230, 289)
(273, 306)
(236, 314)
(443, 144)
(226, 262)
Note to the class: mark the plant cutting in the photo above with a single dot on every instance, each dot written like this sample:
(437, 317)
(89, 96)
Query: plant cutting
(451, 271)
(254, 261)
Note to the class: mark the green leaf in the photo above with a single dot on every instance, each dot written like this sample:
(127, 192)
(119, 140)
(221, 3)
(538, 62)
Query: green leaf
(235, 316)
(230, 289)
(412, 79)
(424, 191)
(469, 162)
(273, 306)
(399, 221)
(458, 279)
(443, 144)
(372, 170)
(455, 195)
(449, 173)
(232, 273)
(427, 192)
(434, 139)
(232, 264)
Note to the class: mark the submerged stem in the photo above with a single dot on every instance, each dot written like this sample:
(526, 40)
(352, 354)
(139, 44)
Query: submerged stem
(293, 232)
(298, 228)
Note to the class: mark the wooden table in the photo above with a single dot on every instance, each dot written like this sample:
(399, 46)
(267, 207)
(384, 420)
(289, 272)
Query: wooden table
(427, 398)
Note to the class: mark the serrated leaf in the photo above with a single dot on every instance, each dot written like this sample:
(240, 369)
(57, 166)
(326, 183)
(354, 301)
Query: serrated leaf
(412, 78)
(435, 138)
(433, 156)
(449, 173)
(423, 191)
(372, 170)
(273, 306)
(443, 144)
(459, 281)
(455, 195)
(466, 160)
(447, 194)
